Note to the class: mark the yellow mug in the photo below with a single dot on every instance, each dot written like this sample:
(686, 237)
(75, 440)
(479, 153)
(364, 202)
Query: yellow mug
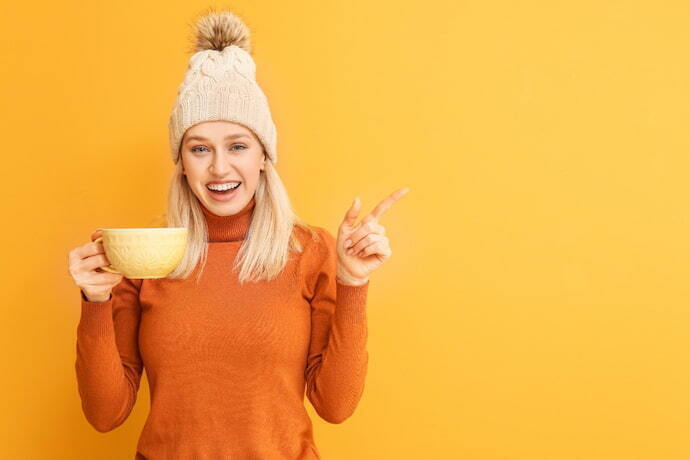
(143, 252)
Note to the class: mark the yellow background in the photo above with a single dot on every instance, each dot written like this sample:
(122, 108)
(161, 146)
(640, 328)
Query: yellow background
(536, 303)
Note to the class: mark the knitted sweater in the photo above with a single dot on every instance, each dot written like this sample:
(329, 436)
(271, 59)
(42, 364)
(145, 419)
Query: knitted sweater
(227, 365)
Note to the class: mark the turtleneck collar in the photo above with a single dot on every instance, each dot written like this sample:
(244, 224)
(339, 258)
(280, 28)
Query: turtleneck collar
(229, 228)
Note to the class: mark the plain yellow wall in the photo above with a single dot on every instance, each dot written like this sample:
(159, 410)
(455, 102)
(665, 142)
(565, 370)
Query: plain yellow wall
(536, 304)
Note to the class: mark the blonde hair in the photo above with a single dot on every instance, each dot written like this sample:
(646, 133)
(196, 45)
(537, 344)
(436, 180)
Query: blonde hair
(269, 239)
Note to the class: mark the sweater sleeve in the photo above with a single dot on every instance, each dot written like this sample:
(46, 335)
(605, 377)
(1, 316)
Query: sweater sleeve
(338, 358)
(108, 364)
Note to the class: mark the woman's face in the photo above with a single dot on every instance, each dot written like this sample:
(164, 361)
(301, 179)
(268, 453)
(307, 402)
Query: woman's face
(222, 152)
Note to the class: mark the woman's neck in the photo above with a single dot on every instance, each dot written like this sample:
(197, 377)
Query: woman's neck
(229, 228)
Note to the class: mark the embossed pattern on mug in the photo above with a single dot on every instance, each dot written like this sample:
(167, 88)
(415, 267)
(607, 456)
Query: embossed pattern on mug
(145, 254)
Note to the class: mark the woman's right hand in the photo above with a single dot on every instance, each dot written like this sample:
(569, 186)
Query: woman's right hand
(84, 263)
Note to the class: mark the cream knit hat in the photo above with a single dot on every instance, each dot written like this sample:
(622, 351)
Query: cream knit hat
(220, 84)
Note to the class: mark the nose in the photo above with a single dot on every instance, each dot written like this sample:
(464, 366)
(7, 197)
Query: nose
(219, 164)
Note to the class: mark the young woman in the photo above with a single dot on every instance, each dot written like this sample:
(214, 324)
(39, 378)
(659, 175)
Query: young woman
(262, 308)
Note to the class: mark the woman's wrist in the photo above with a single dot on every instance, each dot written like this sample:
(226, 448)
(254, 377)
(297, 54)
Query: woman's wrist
(350, 281)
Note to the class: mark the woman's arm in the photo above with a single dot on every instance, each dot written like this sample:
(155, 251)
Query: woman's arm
(108, 363)
(338, 358)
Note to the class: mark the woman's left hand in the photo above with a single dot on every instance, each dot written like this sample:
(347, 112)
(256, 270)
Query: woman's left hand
(362, 248)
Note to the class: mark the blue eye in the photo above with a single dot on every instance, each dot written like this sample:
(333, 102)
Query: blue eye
(193, 149)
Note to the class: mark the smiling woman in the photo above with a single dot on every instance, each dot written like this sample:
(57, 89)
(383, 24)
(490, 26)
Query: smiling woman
(269, 316)
(216, 164)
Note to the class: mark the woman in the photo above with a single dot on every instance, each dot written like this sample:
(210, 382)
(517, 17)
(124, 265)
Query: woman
(262, 305)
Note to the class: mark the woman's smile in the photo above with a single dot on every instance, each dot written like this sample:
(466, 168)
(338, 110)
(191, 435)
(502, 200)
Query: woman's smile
(226, 194)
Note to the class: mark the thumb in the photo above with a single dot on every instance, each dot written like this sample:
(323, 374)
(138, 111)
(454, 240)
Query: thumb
(352, 213)
(96, 234)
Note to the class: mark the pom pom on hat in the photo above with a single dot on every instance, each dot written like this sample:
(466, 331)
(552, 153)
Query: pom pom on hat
(216, 31)
(220, 84)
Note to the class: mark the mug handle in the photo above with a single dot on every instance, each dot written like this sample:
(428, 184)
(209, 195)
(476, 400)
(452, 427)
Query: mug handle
(106, 267)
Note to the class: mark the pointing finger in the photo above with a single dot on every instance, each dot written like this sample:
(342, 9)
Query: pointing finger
(386, 203)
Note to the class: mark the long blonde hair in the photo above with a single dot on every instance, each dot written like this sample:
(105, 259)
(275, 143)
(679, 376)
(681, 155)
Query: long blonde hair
(269, 240)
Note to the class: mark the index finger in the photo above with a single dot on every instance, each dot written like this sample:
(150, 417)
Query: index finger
(386, 203)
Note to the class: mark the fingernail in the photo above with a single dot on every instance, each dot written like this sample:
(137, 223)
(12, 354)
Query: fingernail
(348, 243)
(350, 251)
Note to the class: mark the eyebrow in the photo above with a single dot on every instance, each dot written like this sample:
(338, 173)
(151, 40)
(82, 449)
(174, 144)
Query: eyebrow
(230, 136)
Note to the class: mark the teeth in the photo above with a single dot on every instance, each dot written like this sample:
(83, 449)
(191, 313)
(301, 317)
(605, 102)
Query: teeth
(222, 187)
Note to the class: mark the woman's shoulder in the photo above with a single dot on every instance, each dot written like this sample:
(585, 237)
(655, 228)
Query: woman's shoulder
(316, 241)
(318, 250)
(309, 234)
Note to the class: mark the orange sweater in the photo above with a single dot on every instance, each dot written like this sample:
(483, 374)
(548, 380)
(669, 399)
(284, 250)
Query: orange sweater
(227, 365)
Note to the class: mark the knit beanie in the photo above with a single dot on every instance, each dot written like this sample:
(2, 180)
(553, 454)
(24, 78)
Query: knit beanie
(220, 84)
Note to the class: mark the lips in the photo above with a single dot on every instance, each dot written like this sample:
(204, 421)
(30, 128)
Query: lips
(226, 195)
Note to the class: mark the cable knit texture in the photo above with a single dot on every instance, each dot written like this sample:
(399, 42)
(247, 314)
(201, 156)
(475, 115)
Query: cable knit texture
(221, 85)
(227, 365)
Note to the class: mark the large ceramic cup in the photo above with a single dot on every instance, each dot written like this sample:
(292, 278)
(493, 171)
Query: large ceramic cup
(143, 252)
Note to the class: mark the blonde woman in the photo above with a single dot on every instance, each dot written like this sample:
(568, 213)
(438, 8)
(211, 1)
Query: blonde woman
(262, 309)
